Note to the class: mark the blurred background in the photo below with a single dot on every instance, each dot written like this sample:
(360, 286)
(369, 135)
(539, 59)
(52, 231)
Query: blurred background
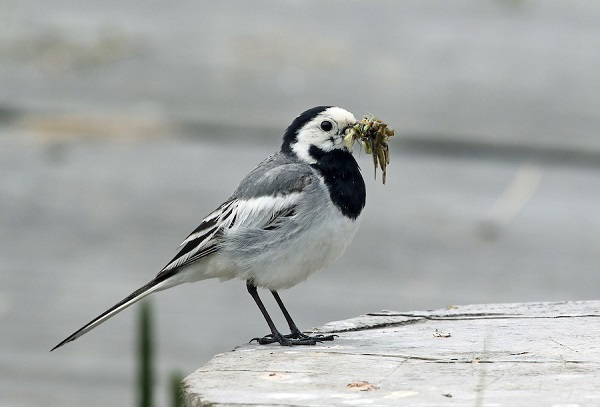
(123, 123)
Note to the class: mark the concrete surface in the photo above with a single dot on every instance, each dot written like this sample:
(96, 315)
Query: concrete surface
(531, 354)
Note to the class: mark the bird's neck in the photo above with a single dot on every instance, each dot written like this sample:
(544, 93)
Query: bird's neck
(342, 177)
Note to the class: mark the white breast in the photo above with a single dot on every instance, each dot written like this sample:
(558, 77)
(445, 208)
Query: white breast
(310, 251)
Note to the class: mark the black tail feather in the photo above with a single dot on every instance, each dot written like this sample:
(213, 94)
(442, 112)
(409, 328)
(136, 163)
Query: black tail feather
(131, 299)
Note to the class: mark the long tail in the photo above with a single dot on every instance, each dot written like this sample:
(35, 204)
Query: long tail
(152, 286)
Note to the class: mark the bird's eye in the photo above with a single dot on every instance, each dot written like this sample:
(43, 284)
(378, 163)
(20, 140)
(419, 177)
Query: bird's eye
(326, 125)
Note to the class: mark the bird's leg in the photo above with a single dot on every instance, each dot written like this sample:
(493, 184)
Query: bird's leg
(275, 336)
(295, 332)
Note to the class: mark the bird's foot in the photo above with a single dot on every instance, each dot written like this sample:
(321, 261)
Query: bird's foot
(296, 334)
(296, 338)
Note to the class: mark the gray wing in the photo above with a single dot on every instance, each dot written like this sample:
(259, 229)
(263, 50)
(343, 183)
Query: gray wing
(266, 196)
(277, 175)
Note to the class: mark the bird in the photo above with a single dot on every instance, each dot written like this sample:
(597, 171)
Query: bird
(292, 215)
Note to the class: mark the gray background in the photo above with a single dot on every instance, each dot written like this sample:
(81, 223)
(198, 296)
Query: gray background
(123, 123)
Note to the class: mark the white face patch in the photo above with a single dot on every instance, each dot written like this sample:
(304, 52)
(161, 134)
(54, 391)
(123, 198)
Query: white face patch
(312, 133)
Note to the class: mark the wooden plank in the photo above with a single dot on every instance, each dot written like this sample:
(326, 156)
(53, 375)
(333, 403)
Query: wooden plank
(477, 355)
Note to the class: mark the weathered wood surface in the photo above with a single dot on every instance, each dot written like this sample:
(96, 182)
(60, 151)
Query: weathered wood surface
(529, 354)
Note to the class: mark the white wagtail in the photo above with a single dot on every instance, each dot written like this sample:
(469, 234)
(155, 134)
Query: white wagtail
(292, 215)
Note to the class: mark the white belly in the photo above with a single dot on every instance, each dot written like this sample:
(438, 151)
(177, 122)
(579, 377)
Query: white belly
(282, 262)
(308, 254)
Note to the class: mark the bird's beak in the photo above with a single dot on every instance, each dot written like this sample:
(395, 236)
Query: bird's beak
(347, 140)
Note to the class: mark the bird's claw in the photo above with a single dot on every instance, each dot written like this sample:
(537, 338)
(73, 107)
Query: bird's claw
(296, 338)
(318, 338)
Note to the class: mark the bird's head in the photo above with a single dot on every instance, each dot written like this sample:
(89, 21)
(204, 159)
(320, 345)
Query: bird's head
(322, 128)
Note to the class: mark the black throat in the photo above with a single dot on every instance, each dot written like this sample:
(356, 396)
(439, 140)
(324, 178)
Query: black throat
(343, 179)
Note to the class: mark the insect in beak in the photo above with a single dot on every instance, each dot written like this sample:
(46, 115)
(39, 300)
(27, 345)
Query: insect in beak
(373, 134)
